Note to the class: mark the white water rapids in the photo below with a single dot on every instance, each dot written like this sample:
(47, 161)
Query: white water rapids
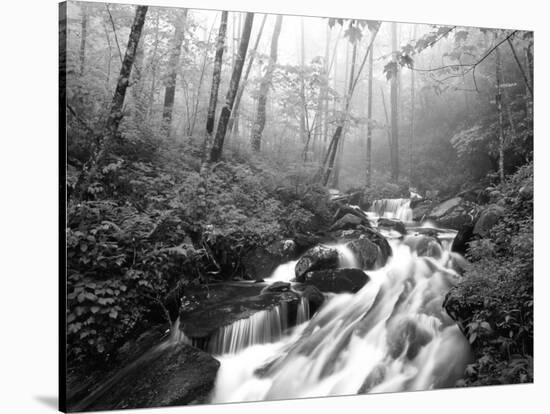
(392, 335)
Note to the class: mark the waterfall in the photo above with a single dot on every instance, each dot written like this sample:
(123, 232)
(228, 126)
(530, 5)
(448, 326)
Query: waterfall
(262, 327)
(395, 208)
(303, 311)
(392, 335)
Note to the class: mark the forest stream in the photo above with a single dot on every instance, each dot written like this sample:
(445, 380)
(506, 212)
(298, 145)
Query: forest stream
(392, 335)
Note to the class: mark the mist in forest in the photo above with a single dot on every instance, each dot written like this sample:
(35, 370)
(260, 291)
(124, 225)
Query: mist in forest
(347, 202)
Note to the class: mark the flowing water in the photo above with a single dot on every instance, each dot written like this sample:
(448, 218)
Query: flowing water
(393, 208)
(392, 335)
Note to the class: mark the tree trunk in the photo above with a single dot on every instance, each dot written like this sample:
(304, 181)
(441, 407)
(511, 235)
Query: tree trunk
(411, 126)
(216, 78)
(217, 147)
(264, 88)
(394, 108)
(83, 35)
(110, 131)
(240, 92)
(333, 147)
(170, 83)
(154, 65)
(302, 82)
(499, 113)
(369, 122)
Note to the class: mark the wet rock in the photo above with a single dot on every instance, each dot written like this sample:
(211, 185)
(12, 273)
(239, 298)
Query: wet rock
(526, 192)
(377, 238)
(454, 213)
(348, 221)
(424, 246)
(405, 334)
(462, 239)
(392, 224)
(316, 258)
(260, 262)
(487, 220)
(375, 377)
(169, 375)
(224, 303)
(337, 280)
(421, 210)
(314, 297)
(344, 209)
(277, 287)
(366, 253)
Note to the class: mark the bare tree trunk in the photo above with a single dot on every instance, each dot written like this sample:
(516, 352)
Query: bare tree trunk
(302, 82)
(333, 147)
(264, 88)
(110, 131)
(191, 123)
(154, 65)
(499, 113)
(240, 92)
(520, 67)
(411, 126)
(216, 78)
(340, 128)
(369, 122)
(170, 83)
(325, 90)
(394, 108)
(217, 147)
(388, 130)
(83, 35)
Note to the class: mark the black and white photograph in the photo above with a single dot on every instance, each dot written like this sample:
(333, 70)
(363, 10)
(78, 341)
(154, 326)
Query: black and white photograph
(263, 206)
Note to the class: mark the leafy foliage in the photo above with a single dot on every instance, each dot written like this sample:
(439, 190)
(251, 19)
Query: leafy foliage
(494, 303)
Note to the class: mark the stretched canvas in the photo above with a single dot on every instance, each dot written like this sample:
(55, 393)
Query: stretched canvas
(263, 207)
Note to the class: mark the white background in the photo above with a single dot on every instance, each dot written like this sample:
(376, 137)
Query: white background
(29, 207)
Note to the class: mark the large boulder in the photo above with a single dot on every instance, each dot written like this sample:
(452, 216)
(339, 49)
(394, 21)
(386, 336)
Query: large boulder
(366, 253)
(487, 219)
(260, 262)
(278, 286)
(211, 308)
(313, 296)
(421, 210)
(344, 209)
(378, 239)
(169, 374)
(392, 224)
(461, 240)
(454, 213)
(316, 258)
(424, 246)
(337, 280)
(348, 221)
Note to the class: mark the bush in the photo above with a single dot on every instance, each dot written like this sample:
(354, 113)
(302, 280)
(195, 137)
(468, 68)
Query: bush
(494, 303)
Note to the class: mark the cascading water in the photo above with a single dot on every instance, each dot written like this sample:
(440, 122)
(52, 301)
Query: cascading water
(392, 335)
(394, 208)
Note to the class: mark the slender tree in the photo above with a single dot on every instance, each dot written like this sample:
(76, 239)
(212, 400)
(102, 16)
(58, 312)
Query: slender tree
(394, 104)
(170, 82)
(499, 114)
(216, 78)
(217, 147)
(302, 82)
(265, 84)
(83, 36)
(411, 125)
(110, 131)
(242, 86)
(333, 146)
(369, 121)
